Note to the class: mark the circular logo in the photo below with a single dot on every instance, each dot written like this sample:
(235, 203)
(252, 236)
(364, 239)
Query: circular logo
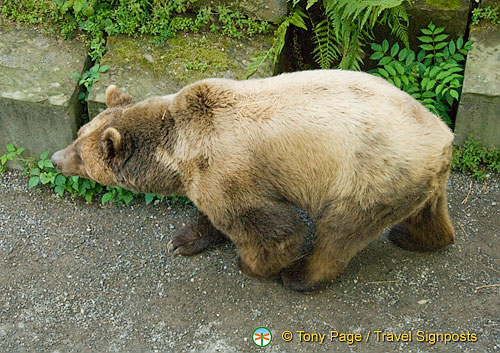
(261, 337)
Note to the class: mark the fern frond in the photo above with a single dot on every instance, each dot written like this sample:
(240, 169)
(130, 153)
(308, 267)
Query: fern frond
(397, 20)
(347, 25)
(257, 61)
(326, 51)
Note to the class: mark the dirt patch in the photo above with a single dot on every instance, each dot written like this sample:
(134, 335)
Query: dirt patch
(76, 277)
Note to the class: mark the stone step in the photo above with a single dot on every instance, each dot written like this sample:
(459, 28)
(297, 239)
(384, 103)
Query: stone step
(142, 69)
(39, 109)
(479, 109)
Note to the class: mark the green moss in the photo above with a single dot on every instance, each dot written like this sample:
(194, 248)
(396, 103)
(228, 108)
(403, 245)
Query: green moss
(184, 58)
(444, 4)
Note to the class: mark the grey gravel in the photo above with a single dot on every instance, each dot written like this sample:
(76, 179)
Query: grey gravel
(77, 277)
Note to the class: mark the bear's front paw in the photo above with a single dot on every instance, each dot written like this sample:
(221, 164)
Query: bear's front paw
(294, 277)
(187, 241)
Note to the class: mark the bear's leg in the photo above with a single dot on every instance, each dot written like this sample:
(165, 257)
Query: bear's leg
(334, 248)
(194, 239)
(427, 230)
(267, 239)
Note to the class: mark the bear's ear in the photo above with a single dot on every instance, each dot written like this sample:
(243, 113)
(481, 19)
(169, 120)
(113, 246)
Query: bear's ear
(114, 97)
(111, 142)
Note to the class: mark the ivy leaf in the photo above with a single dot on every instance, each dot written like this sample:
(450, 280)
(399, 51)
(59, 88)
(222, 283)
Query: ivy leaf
(439, 30)
(128, 198)
(400, 68)
(426, 46)
(149, 198)
(60, 180)
(383, 72)
(59, 190)
(34, 171)
(33, 182)
(107, 197)
(397, 81)
(390, 70)
(440, 45)
(104, 68)
(394, 49)
(425, 39)
(403, 54)
(452, 47)
(434, 71)
(385, 45)
(376, 55)
(385, 60)
(10, 148)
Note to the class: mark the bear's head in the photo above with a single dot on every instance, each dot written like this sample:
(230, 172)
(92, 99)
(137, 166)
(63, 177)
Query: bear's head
(120, 146)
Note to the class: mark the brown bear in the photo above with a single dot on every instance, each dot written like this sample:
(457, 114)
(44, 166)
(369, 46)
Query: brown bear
(354, 151)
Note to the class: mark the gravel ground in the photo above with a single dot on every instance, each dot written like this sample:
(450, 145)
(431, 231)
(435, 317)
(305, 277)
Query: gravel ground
(77, 277)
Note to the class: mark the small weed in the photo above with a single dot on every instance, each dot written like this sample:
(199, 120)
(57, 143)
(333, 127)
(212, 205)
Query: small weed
(88, 78)
(487, 14)
(12, 152)
(474, 158)
(202, 67)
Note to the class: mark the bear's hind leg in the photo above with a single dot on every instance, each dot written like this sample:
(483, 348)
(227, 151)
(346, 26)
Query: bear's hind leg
(194, 239)
(428, 230)
(332, 252)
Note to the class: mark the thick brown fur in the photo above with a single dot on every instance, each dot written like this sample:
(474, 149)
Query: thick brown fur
(354, 151)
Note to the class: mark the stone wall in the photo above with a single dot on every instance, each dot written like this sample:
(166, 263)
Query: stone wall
(39, 109)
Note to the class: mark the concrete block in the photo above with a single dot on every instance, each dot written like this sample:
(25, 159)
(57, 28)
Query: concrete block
(143, 69)
(39, 109)
(479, 109)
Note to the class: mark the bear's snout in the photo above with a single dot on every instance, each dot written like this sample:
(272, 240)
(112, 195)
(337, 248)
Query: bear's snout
(57, 158)
(68, 162)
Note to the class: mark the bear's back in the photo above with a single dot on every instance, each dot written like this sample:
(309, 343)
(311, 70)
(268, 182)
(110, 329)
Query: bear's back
(309, 132)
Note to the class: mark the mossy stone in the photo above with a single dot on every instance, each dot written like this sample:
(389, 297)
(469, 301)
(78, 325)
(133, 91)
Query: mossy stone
(444, 4)
(39, 109)
(143, 69)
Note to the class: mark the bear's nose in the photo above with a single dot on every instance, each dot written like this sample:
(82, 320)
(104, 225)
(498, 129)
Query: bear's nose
(56, 157)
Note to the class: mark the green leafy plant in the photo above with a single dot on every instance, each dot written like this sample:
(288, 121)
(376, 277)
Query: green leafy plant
(474, 158)
(295, 17)
(342, 34)
(12, 153)
(489, 14)
(235, 24)
(94, 20)
(43, 172)
(434, 76)
(88, 78)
